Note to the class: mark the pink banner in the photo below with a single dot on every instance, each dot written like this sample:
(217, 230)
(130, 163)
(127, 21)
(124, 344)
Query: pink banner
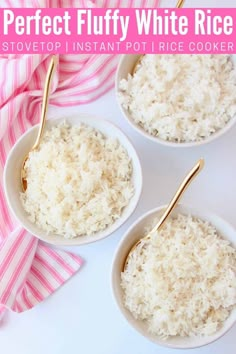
(117, 31)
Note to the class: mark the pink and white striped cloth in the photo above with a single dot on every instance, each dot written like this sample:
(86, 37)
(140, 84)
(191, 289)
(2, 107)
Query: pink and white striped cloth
(29, 270)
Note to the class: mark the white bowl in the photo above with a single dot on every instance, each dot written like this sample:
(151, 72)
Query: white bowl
(12, 184)
(125, 67)
(128, 240)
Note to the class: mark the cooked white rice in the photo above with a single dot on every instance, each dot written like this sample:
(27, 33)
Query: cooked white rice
(181, 97)
(183, 281)
(78, 181)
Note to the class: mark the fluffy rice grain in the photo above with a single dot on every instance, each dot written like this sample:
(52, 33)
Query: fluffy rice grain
(78, 181)
(183, 282)
(181, 98)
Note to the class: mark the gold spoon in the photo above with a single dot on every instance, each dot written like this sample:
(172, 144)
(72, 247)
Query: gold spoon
(188, 179)
(42, 119)
(180, 4)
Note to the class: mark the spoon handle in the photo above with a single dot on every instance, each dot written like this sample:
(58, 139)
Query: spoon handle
(188, 179)
(180, 3)
(46, 92)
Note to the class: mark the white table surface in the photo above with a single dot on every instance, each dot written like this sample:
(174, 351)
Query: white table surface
(82, 317)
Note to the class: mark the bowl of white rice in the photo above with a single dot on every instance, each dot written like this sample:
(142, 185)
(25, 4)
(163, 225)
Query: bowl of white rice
(179, 100)
(179, 289)
(83, 182)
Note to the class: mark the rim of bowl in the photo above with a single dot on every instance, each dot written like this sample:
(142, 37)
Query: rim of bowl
(132, 323)
(163, 142)
(79, 240)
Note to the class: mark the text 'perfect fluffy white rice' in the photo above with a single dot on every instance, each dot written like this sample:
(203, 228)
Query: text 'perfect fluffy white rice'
(78, 181)
(181, 97)
(183, 281)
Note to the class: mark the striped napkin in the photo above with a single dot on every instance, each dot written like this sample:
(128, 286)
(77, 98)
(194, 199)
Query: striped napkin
(29, 270)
